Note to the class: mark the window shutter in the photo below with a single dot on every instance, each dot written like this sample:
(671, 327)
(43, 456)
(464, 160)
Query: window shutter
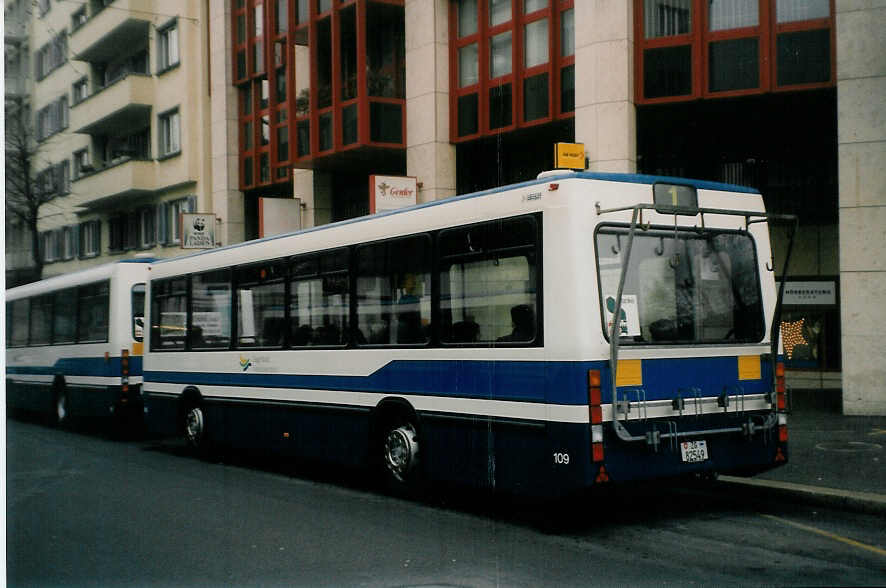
(57, 243)
(75, 240)
(97, 237)
(81, 243)
(160, 223)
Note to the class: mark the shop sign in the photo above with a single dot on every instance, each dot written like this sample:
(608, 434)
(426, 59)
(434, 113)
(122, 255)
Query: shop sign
(198, 230)
(569, 156)
(817, 293)
(391, 192)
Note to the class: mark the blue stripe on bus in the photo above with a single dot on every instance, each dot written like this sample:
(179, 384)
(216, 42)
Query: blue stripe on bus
(525, 381)
(81, 366)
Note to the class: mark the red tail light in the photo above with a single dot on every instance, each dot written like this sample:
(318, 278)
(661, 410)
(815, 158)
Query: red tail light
(595, 414)
(780, 387)
(124, 370)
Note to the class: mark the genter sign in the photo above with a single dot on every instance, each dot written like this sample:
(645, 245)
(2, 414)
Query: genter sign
(391, 192)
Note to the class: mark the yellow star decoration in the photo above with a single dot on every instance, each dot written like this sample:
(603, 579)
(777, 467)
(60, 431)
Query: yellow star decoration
(792, 335)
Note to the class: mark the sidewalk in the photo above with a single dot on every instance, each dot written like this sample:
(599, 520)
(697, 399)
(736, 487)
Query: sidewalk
(832, 458)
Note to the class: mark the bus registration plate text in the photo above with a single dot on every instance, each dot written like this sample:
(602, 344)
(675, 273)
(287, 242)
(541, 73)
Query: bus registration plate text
(694, 451)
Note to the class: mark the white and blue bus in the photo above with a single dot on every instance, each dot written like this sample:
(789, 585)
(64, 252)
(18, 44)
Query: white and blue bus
(74, 343)
(475, 340)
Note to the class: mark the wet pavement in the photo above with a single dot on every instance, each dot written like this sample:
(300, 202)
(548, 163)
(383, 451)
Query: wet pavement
(832, 457)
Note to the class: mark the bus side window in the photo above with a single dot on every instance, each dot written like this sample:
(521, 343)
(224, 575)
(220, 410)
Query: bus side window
(138, 312)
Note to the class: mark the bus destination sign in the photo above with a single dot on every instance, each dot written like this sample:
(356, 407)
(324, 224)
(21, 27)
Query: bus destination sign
(675, 199)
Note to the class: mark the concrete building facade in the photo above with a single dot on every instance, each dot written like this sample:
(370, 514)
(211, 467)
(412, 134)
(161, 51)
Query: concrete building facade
(861, 138)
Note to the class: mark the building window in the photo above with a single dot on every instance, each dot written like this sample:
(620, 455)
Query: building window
(170, 133)
(52, 55)
(62, 173)
(80, 90)
(567, 33)
(667, 18)
(282, 143)
(467, 18)
(734, 64)
(803, 57)
(176, 208)
(733, 14)
(78, 18)
(265, 134)
(281, 16)
(117, 233)
(500, 63)
(743, 47)
(67, 245)
(797, 10)
(264, 96)
(52, 118)
(506, 49)
(90, 239)
(147, 227)
(51, 246)
(468, 72)
(82, 163)
(167, 39)
(535, 43)
(499, 12)
(535, 97)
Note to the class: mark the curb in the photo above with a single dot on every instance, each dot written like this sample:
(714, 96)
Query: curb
(864, 502)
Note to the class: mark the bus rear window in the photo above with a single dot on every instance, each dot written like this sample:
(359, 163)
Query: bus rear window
(683, 287)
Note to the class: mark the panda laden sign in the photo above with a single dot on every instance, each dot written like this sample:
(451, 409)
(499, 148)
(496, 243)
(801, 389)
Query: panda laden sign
(198, 230)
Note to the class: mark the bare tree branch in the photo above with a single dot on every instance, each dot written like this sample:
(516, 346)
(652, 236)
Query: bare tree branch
(24, 194)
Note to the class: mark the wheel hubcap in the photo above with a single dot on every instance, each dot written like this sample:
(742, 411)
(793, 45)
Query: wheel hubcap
(194, 425)
(61, 408)
(401, 451)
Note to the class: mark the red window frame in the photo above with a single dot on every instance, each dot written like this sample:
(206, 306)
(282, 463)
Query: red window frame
(271, 40)
(699, 39)
(516, 25)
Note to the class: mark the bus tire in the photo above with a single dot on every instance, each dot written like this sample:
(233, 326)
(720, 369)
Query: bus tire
(194, 426)
(400, 451)
(59, 416)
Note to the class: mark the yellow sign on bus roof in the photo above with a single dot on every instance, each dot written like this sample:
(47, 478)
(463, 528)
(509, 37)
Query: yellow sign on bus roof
(569, 156)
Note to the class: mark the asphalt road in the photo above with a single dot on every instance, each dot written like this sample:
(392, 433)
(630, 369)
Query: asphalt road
(83, 509)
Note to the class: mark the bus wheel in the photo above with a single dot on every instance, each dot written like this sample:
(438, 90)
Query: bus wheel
(400, 453)
(195, 426)
(59, 414)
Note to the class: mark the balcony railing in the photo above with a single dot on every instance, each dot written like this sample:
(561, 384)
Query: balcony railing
(107, 34)
(121, 178)
(124, 104)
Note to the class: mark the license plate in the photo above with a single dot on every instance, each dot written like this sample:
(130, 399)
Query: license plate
(694, 451)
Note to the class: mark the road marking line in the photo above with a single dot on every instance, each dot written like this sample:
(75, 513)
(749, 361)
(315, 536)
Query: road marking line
(828, 534)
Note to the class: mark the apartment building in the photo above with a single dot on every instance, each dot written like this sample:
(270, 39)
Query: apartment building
(120, 104)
